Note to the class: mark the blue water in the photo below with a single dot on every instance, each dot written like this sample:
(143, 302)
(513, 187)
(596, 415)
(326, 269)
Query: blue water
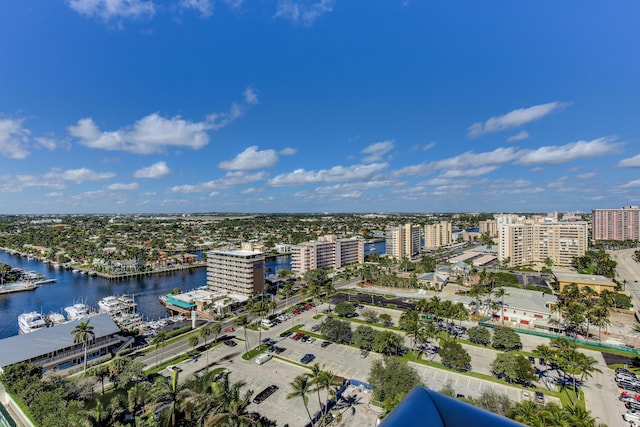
(70, 288)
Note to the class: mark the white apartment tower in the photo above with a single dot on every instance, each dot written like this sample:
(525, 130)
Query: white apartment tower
(235, 271)
(326, 252)
(532, 243)
(403, 241)
(437, 235)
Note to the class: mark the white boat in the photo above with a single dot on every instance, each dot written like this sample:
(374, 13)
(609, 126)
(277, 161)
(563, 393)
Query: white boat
(77, 311)
(29, 322)
(56, 319)
(122, 310)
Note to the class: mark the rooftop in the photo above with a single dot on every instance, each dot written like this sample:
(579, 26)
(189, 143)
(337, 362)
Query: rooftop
(47, 340)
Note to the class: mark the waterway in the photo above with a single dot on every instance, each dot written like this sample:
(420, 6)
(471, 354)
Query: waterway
(70, 288)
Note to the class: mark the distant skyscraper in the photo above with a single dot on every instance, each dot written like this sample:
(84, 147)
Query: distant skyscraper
(437, 235)
(616, 224)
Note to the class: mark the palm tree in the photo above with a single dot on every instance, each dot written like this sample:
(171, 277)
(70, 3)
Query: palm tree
(600, 318)
(301, 387)
(159, 340)
(327, 380)
(580, 417)
(501, 293)
(83, 333)
(232, 409)
(166, 399)
(205, 331)
(315, 376)
(243, 321)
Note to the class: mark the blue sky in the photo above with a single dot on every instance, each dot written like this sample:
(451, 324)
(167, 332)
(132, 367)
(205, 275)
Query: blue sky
(150, 106)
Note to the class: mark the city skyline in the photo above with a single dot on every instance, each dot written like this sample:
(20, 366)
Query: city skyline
(193, 106)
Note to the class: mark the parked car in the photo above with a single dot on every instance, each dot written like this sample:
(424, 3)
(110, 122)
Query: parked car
(325, 344)
(172, 368)
(307, 358)
(539, 397)
(260, 397)
(364, 354)
(230, 343)
(228, 330)
(310, 340)
(631, 416)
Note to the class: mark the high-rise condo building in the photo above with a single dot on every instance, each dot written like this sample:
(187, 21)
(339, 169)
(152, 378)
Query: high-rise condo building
(616, 224)
(403, 241)
(437, 235)
(534, 243)
(235, 271)
(326, 252)
(489, 227)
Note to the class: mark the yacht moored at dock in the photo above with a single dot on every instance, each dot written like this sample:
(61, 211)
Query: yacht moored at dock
(29, 322)
(78, 311)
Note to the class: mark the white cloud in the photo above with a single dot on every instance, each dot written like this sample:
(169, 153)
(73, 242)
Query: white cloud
(123, 187)
(78, 175)
(586, 175)
(303, 11)
(335, 174)
(378, 150)
(471, 172)
(287, 151)
(13, 139)
(113, 9)
(156, 170)
(251, 159)
(631, 184)
(151, 134)
(555, 154)
(54, 194)
(518, 136)
(425, 147)
(205, 7)
(250, 96)
(469, 159)
(231, 179)
(154, 133)
(513, 119)
(234, 4)
(631, 162)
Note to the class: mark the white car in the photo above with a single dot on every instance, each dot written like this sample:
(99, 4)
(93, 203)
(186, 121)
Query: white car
(632, 416)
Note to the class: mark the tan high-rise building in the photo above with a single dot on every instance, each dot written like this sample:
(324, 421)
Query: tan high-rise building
(326, 252)
(534, 243)
(235, 271)
(489, 227)
(616, 224)
(437, 235)
(403, 241)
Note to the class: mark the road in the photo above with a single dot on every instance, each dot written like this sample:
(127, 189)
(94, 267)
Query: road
(628, 272)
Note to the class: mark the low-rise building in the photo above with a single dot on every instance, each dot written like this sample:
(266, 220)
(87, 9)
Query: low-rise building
(54, 348)
(595, 282)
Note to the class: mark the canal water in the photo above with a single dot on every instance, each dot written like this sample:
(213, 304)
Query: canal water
(70, 288)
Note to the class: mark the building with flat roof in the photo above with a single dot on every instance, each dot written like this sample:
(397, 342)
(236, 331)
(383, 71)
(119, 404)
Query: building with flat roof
(534, 243)
(488, 227)
(437, 235)
(596, 282)
(402, 241)
(54, 347)
(616, 224)
(235, 271)
(327, 252)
